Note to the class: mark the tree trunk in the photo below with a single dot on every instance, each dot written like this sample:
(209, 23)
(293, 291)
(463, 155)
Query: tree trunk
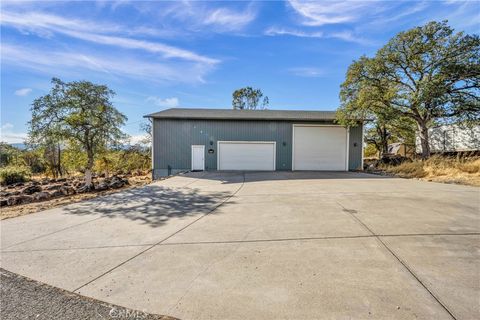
(59, 162)
(383, 135)
(384, 141)
(88, 171)
(423, 133)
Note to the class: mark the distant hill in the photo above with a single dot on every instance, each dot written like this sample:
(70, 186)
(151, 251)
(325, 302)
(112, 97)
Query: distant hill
(20, 146)
(23, 146)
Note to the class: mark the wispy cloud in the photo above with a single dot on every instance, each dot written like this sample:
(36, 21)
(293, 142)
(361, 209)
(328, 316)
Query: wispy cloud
(44, 23)
(154, 47)
(201, 16)
(347, 36)
(319, 13)
(308, 72)
(23, 92)
(9, 135)
(228, 19)
(164, 103)
(48, 25)
(65, 62)
(275, 31)
(463, 14)
(350, 36)
(168, 63)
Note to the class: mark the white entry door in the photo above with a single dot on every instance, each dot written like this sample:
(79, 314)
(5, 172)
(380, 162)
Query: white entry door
(317, 147)
(246, 155)
(198, 157)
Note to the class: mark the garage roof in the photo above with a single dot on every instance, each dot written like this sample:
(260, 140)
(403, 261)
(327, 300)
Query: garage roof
(230, 114)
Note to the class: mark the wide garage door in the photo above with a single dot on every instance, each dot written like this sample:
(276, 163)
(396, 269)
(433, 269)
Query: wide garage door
(246, 155)
(319, 148)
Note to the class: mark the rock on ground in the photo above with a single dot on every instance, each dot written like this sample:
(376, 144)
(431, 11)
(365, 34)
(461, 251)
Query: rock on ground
(21, 193)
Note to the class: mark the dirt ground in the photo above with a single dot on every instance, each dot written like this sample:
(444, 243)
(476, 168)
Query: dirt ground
(23, 209)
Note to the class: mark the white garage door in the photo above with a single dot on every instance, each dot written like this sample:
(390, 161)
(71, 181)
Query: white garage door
(251, 155)
(319, 148)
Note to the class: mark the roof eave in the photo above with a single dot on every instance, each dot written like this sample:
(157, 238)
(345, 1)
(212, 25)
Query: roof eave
(153, 116)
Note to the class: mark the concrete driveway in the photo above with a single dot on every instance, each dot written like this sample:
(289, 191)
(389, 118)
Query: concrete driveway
(292, 245)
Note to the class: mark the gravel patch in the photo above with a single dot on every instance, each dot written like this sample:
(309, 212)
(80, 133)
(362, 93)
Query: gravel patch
(23, 298)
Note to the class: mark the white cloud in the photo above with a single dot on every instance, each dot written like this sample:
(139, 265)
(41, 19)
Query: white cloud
(462, 15)
(229, 19)
(66, 62)
(23, 92)
(38, 22)
(309, 72)
(321, 13)
(274, 31)
(318, 13)
(138, 139)
(200, 16)
(165, 103)
(48, 25)
(348, 36)
(8, 135)
(165, 50)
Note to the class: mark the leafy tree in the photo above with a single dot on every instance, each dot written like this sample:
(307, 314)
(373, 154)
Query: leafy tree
(74, 158)
(147, 128)
(360, 99)
(370, 151)
(52, 153)
(124, 160)
(78, 112)
(249, 99)
(34, 160)
(9, 155)
(426, 74)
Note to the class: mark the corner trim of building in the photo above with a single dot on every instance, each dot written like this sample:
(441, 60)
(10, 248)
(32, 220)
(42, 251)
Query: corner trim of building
(151, 146)
(362, 150)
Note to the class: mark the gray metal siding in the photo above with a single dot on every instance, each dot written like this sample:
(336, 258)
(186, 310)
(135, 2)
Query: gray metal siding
(355, 148)
(173, 140)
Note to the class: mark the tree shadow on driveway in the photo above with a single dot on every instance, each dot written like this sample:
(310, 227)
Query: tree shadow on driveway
(153, 205)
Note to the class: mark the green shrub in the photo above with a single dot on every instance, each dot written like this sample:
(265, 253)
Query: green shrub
(10, 175)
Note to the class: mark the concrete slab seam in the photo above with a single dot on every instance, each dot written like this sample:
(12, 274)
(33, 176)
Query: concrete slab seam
(202, 272)
(79, 248)
(348, 192)
(248, 241)
(50, 233)
(165, 239)
(403, 263)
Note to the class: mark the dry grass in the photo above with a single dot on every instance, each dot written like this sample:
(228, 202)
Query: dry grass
(441, 169)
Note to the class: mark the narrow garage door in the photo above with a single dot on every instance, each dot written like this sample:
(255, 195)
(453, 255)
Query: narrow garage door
(251, 155)
(319, 148)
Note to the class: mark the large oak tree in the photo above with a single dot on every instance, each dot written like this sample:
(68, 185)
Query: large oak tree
(80, 112)
(428, 74)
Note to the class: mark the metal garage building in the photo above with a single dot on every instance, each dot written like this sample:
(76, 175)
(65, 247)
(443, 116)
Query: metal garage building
(263, 140)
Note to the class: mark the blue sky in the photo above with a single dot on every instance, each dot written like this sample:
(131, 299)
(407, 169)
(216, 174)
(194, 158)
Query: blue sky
(161, 54)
